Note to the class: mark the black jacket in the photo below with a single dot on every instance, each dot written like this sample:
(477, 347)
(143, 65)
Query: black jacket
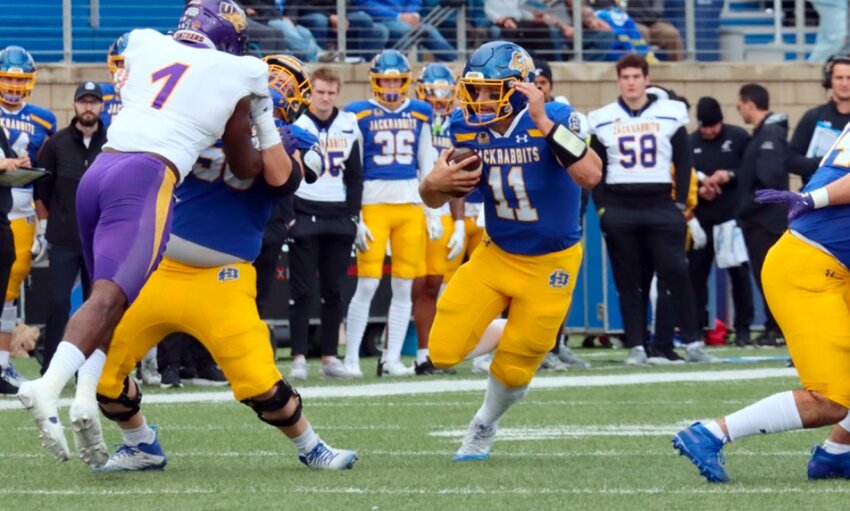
(723, 153)
(5, 191)
(761, 168)
(795, 160)
(66, 156)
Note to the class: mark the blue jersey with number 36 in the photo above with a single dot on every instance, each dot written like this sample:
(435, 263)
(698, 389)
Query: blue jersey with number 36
(531, 204)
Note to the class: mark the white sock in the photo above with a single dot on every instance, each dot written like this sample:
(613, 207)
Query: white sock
(421, 356)
(489, 339)
(89, 375)
(4, 359)
(497, 400)
(65, 362)
(398, 318)
(714, 428)
(358, 316)
(835, 448)
(772, 414)
(845, 423)
(306, 441)
(141, 435)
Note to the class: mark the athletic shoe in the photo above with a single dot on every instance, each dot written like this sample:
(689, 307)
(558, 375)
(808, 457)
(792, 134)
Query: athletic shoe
(209, 375)
(10, 375)
(824, 465)
(477, 443)
(695, 352)
(149, 373)
(298, 370)
(335, 369)
(551, 362)
(770, 339)
(353, 368)
(9, 385)
(88, 434)
(45, 411)
(323, 457)
(481, 364)
(427, 369)
(665, 357)
(171, 378)
(395, 368)
(704, 450)
(567, 356)
(135, 458)
(636, 357)
(743, 339)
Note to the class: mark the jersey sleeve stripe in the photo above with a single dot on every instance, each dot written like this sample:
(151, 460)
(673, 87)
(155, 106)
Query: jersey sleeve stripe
(606, 123)
(47, 125)
(422, 117)
(464, 137)
(535, 133)
(362, 114)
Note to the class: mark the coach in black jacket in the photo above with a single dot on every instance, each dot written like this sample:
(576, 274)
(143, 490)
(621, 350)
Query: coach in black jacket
(67, 155)
(762, 167)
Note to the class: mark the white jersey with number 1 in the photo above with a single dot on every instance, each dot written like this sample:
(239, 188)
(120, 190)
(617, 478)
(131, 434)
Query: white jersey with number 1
(178, 98)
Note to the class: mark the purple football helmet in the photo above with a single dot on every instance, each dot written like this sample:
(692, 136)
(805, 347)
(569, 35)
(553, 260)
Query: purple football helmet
(219, 24)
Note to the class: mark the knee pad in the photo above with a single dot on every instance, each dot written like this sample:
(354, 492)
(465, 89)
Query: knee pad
(8, 317)
(514, 371)
(132, 403)
(283, 391)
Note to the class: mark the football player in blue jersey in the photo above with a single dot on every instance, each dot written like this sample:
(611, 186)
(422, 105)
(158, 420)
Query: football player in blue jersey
(807, 285)
(446, 227)
(28, 127)
(206, 286)
(115, 61)
(533, 170)
(397, 151)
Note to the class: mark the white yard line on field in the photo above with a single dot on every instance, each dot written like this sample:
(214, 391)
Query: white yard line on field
(400, 388)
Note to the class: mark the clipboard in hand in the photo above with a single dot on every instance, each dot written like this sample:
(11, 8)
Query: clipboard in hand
(21, 177)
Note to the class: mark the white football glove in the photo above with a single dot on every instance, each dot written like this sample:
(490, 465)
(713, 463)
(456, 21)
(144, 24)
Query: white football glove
(697, 234)
(364, 236)
(39, 244)
(434, 223)
(313, 163)
(455, 244)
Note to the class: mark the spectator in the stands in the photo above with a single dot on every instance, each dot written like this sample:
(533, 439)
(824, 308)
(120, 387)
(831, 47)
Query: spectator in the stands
(832, 29)
(526, 24)
(297, 40)
(402, 20)
(363, 37)
(267, 39)
(649, 16)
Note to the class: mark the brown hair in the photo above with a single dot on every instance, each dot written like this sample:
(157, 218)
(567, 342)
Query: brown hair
(633, 60)
(327, 74)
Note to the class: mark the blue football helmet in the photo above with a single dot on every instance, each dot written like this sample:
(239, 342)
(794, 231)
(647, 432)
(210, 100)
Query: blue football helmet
(389, 65)
(289, 83)
(437, 85)
(17, 75)
(219, 24)
(115, 56)
(496, 66)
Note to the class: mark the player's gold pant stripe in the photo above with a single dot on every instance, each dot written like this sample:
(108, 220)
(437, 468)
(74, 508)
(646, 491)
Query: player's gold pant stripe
(163, 203)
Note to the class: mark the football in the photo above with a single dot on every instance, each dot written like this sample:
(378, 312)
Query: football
(466, 154)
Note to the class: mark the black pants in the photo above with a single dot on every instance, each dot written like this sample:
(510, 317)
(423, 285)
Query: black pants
(759, 240)
(266, 266)
(7, 252)
(742, 290)
(179, 349)
(641, 241)
(66, 262)
(322, 244)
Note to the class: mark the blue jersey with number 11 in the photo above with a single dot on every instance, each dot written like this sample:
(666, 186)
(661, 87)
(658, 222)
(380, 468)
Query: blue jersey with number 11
(531, 204)
(828, 226)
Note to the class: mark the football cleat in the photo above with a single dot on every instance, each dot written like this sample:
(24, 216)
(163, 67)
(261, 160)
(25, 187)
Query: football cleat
(336, 369)
(551, 362)
(427, 368)
(477, 443)
(45, 411)
(695, 352)
(323, 457)
(353, 368)
(567, 356)
(135, 458)
(704, 450)
(824, 465)
(395, 368)
(88, 434)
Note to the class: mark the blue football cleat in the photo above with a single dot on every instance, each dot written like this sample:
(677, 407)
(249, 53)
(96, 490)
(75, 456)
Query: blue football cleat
(323, 457)
(704, 450)
(135, 458)
(824, 465)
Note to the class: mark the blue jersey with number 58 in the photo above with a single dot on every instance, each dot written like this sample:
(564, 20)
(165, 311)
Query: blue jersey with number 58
(531, 204)
(391, 137)
(828, 226)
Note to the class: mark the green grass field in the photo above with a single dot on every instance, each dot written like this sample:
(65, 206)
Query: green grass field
(586, 441)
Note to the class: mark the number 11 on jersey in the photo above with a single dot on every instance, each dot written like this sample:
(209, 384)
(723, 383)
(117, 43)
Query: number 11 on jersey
(172, 73)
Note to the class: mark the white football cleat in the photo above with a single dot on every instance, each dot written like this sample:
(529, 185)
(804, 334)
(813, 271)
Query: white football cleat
(477, 443)
(88, 434)
(353, 368)
(44, 409)
(395, 368)
(324, 457)
(336, 369)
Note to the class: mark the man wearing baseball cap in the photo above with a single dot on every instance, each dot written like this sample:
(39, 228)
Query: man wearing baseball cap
(66, 155)
(718, 150)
